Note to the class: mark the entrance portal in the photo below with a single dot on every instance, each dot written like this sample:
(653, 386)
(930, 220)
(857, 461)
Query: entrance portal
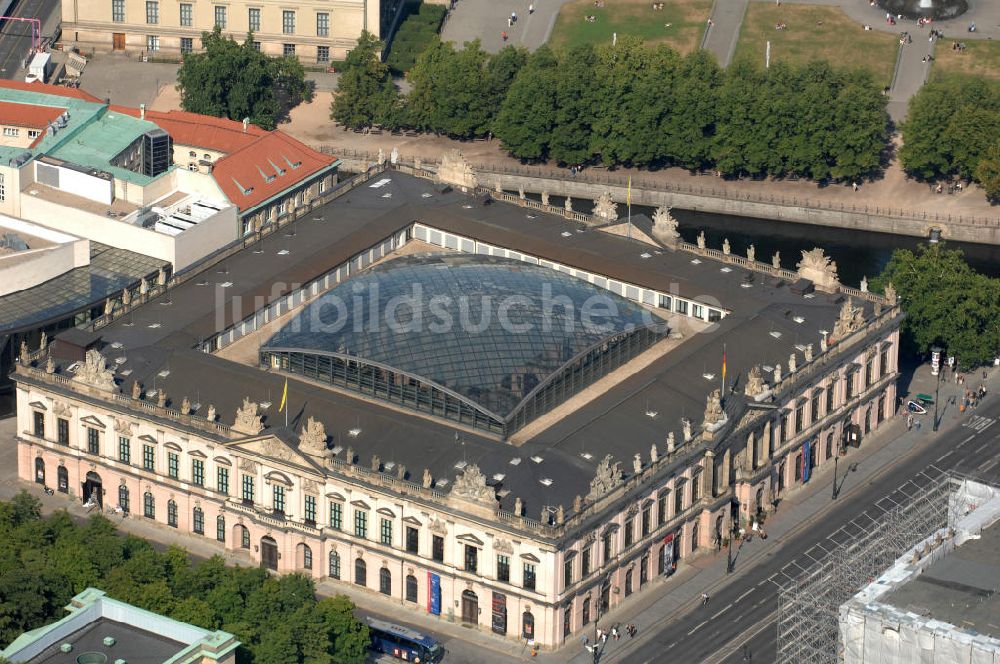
(269, 553)
(470, 608)
(93, 491)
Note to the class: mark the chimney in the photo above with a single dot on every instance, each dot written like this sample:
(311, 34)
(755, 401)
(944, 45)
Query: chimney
(142, 111)
(246, 123)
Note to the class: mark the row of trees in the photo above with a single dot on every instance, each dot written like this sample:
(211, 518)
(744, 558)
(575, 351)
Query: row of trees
(946, 303)
(45, 561)
(629, 104)
(953, 130)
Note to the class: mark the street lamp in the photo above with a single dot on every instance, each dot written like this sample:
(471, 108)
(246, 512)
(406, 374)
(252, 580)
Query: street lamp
(936, 369)
(598, 644)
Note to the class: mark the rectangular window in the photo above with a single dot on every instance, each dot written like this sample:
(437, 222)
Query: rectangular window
(149, 458)
(93, 441)
(629, 532)
(220, 17)
(186, 15)
(661, 510)
(786, 430)
(696, 488)
(256, 47)
(254, 18)
(148, 506)
(645, 522)
(608, 543)
(118, 11)
(220, 529)
(850, 385)
(814, 406)
(62, 426)
(869, 372)
(682, 306)
(585, 563)
(385, 532)
(437, 548)
(412, 540)
(198, 472)
(830, 391)
(678, 498)
(198, 522)
(311, 510)
(697, 311)
(529, 577)
(361, 524)
(503, 569)
(11, 131)
(568, 573)
(287, 50)
(173, 465)
(39, 424)
(323, 27)
(288, 22)
(3, 188)
(278, 498)
(124, 449)
(471, 558)
(322, 56)
(152, 12)
(187, 45)
(883, 357)
(336, 515)
(222, 480)
(799, 419)
(152, 43)
(33, 133)
(248, 489)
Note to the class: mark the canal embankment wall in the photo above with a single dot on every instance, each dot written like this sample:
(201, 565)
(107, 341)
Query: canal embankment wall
(590, 184)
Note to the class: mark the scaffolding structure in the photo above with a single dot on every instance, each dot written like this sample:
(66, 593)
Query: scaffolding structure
(855, 555)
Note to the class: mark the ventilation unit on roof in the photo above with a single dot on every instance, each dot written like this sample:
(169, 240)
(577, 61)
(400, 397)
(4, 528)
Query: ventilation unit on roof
(537, 459)
(108, 641)
(545, 481)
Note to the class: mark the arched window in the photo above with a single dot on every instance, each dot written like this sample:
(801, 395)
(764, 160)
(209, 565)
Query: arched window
(360, 572)
(694, 537)
(334, 565)
(148, 506)
(123, 499)
(40, 470)
(245, 537)
(220, 528)
(411, 588)
(568, 619)
(385, 581)
(172, 513)
(198, 521)
(628, 583)
(192, 154)
(586, 611)
(527, 625)
(305, 556)
(62, 476)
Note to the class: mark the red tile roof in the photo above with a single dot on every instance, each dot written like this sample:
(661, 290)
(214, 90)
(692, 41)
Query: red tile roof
(270, 165)
(203, 131)
(46, 89)
(28, 115)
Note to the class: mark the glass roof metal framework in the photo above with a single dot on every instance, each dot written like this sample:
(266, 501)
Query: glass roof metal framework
(476, 370)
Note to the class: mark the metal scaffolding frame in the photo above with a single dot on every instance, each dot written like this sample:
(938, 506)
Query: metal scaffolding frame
(855, 555)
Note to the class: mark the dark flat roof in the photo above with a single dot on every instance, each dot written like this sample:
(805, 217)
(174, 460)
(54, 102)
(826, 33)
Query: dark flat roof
(134, 645)
(619, 422)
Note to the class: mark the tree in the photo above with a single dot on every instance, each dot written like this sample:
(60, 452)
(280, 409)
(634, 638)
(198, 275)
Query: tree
(451, 91)
(946, 303)
(236, 81)
(524, 123)
(576, 106)
(366, 95)
(988, 172)
(691, 125)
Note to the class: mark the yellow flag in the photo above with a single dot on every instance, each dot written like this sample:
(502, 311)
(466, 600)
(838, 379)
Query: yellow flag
(630, 190)
(284, 397)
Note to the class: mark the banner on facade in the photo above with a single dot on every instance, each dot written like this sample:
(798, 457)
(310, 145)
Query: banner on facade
(433, 593)
(499, 613)
(667, 555)
(806, 458)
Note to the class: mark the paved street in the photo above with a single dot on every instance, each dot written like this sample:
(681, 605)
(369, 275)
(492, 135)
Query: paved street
(742, 614)
(724, 31)
(15, 36)
(486, 19)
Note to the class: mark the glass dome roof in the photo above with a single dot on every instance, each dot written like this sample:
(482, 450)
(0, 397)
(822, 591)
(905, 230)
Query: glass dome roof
(488, 330)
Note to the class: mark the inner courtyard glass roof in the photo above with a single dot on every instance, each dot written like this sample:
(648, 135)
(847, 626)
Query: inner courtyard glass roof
(488, 330)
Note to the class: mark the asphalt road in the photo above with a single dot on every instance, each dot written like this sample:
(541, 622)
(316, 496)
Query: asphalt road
(15, 36)
(738, 623)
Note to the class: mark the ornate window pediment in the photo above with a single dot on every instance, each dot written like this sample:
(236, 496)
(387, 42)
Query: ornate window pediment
(333, 495)
(470, 538)
(222, 461)
(360, 504)
(570, 555)
(146, 438)
(38, 405)
(412, 521)
(530, 557)
(92, 421)
(173, 446)
(385, 511)
(279, 478)
(197, 454)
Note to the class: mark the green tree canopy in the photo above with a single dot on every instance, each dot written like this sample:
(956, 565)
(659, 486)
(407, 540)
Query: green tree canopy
(366, 95)
(988, 172)
(946, 303)
(524, 124)
(451, 91)
(236, 81)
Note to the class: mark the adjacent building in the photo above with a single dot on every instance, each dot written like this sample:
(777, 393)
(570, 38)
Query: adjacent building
(315, 32)
(101, 629)
(513, 418)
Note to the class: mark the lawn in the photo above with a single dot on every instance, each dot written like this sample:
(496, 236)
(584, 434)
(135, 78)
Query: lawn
(980, 59)
(814, 32)
(680, 23)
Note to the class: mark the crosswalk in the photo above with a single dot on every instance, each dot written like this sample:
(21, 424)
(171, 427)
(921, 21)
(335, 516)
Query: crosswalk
(978, 423)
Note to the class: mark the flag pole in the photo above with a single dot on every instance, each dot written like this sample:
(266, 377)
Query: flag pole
(723, 370)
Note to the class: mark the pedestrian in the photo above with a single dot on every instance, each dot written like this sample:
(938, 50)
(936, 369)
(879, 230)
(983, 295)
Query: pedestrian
(909, 422)
(510, 22)
(531, 9)
(855, 185)
(503, 35)
(704, 599)
(614, 632)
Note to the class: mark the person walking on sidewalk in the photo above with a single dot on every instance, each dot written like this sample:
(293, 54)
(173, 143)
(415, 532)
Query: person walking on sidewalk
(704, 599)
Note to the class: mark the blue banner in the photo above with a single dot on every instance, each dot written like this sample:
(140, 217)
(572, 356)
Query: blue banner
(806, 465)
(434, 592)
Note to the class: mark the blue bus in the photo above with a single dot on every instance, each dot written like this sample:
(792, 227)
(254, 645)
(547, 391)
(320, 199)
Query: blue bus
(403, 642)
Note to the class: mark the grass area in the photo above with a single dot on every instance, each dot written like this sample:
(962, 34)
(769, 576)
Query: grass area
(815, 32)
(680, 23)
(980, 59)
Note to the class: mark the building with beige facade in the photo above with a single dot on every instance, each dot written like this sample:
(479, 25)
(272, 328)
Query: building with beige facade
(520, 475)
(314, 31)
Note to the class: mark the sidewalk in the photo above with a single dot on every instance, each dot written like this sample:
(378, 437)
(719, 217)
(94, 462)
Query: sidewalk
(666, 596)
(724, 29)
